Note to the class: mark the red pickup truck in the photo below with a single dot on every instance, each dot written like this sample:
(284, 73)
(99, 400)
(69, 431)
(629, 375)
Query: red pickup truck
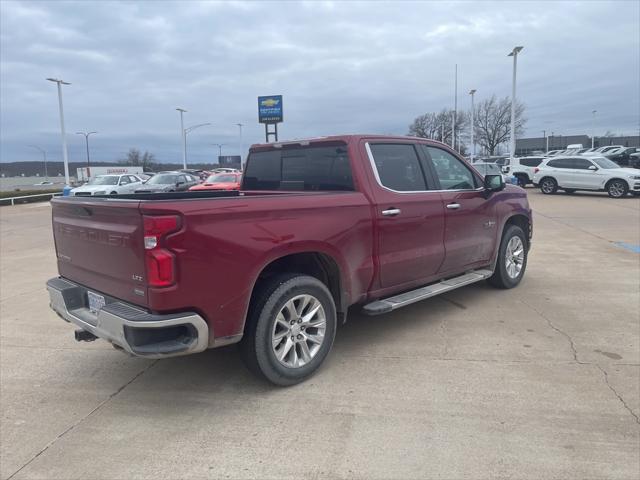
(318, 226)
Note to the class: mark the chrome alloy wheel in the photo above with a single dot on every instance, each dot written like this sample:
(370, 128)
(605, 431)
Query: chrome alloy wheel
(547, 186)
(298, 332)
(514, 257)
(616, 189)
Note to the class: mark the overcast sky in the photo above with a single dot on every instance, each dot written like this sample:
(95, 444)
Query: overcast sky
(367, 67)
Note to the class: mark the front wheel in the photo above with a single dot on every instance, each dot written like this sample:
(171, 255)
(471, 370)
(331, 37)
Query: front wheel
(290, 328)
(548, 186)
(512, 258)
(617, 188)
(570, 191)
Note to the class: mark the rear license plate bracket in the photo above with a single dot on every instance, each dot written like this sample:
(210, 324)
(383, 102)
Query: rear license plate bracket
(96, 302)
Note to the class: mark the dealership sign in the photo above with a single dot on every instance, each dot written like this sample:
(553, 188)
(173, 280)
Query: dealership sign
(270, 109)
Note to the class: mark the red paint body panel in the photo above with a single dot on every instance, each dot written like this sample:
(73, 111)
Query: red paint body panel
(224, 243)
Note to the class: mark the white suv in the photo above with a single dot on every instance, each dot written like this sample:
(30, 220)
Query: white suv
(522, 168)
(586, 173)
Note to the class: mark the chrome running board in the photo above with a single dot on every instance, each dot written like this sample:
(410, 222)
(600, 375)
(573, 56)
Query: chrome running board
(398, 301)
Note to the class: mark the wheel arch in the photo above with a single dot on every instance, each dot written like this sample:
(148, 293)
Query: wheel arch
(606, 185)
(521, 220)
(315, 263)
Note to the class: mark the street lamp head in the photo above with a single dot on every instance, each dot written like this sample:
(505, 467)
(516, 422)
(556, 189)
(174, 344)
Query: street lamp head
(58, 81)
(471, 92)
(180, 109)
(515, 51)
(594, 111)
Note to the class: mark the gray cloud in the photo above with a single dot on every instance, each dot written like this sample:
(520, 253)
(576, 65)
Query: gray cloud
(341, 66)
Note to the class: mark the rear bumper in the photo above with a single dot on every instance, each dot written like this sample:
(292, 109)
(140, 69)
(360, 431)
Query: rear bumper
(134, 330)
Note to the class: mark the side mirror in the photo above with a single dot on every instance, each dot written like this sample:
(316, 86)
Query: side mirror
(593, 168)
(493, 183)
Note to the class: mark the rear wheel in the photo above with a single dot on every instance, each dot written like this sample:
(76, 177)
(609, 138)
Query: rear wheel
(548, 186)
(512, 258)
(617, 188)
(522, 180)
(114, 193)
(290, 328)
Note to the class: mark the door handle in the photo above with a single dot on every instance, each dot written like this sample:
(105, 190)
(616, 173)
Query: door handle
(453, 206)
(391, 212)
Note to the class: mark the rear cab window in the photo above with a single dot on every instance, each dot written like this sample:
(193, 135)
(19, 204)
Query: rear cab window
(320, 167)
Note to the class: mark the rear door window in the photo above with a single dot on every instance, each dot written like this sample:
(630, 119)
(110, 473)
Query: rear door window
(560, 163)
(530, 162)
(322, 168)
(581, 163)
(398, 167)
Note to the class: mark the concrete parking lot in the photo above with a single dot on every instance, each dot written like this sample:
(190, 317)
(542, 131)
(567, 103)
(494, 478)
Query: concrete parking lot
(542, 381)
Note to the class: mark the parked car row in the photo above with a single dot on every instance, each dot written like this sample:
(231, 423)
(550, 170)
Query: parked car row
(161, 182)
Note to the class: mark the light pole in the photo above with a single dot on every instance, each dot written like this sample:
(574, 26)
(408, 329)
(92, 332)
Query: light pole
(593, 127)
(240, 125)
(514, 54)
(184, 137)
(473, 144)
(44, 155)
(219, 145)
(65, 155)
(455, 111)
(86, 139)
(546, 140)
(186, 132)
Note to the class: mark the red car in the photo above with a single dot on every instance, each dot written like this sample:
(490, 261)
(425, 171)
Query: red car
(220, 181)
(319, 226)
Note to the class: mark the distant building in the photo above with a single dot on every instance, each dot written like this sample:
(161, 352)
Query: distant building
(525, 146)
(229, 161)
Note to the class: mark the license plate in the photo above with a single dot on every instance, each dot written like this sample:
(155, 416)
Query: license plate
(96, 302)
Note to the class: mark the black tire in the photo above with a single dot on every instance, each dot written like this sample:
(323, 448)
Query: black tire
(267, 302)
(113, 193)
(617, 188)
(548, 186)
(501, 278)
(570, 191)
(523, 180)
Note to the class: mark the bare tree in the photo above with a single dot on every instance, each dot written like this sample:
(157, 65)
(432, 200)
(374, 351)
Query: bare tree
(437, 126)
(493, 122)
(135, 159)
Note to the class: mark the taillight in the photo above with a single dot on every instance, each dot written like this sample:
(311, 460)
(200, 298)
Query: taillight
(159, 260)
(536, 170)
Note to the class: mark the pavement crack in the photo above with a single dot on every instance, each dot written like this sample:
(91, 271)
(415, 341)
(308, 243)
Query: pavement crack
(606, 380)
(73, 426)
(575, 358)
(572, 345)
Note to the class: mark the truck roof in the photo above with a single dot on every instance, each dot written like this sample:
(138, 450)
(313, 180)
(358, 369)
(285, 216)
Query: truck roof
(344, 138)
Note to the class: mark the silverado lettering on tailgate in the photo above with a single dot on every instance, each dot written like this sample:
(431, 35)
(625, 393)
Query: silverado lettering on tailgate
(96, 236)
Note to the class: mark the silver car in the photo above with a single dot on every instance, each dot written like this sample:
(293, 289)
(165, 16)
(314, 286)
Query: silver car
(108, 185)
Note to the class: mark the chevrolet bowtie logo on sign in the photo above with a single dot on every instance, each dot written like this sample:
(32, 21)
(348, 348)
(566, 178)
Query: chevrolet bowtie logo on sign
(270, 109)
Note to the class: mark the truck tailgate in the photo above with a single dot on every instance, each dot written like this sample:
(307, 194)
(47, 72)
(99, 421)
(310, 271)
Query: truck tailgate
(99, 244)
